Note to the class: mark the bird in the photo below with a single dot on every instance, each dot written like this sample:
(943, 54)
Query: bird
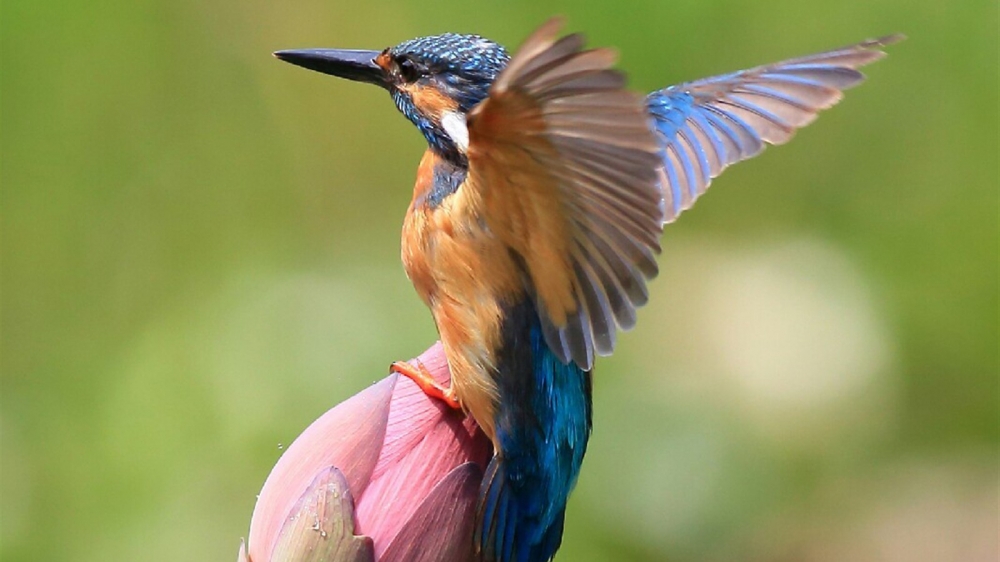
(535, 224)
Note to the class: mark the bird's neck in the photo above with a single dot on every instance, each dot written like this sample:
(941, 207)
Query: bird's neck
(437, 178)
(446, 150)
(441, 141)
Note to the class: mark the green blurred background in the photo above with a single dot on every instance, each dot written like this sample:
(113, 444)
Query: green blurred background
(200, 256)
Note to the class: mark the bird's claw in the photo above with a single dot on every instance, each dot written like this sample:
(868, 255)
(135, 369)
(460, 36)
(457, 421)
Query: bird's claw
(425, 380)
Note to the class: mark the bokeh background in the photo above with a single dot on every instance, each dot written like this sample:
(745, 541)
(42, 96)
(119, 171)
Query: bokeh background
(200, 256)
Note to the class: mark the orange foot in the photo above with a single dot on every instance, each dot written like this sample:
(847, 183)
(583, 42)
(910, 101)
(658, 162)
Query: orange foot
(425, 380)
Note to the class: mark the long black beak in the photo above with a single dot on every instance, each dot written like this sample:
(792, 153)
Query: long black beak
(354, 65)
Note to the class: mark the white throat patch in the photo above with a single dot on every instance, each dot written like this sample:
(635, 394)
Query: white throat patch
(454, 124)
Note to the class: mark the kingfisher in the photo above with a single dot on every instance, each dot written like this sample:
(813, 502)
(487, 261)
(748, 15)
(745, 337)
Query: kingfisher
(535, 221)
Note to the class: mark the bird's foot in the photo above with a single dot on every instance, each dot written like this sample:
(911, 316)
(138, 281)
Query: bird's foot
(425, 380)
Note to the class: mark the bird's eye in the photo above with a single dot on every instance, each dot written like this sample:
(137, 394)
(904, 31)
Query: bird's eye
(409, 71)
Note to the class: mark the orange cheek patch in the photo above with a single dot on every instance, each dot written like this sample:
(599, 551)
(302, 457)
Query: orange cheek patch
(430, 101)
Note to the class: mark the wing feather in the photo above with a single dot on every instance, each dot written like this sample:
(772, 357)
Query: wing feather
(563, 165)
(707, 125)
(577, 176)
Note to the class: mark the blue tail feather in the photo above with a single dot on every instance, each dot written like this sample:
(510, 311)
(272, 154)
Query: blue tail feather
(543, 424)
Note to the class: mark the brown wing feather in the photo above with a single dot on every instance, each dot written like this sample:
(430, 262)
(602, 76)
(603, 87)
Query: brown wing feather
(563, 167)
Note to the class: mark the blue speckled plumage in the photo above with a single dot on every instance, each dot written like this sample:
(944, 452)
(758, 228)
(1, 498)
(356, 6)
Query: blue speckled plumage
(461, 67)
(465, 64)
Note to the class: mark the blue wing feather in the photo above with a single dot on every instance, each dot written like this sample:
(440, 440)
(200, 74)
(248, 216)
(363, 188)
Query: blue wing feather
(706, 125)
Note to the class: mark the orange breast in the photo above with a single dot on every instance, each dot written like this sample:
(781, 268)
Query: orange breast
(464, 274)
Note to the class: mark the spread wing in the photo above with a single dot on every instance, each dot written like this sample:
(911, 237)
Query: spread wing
(706, 125)
(563, 169)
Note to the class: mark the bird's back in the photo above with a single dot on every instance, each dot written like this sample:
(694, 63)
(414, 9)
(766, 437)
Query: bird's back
(542, 426)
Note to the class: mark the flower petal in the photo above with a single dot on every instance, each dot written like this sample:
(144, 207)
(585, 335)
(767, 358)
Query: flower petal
(441, 528)
(425, 441)
(349, 437)
(412, 413)
(320, 527)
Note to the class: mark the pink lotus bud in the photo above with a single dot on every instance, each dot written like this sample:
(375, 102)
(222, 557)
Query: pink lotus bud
(389, 475)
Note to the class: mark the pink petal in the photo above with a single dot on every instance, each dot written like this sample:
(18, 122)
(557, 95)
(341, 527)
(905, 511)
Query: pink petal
(425, 440)
(320, 527)
(411, 412)
(393, 498)
(441, 530)
(348, 437)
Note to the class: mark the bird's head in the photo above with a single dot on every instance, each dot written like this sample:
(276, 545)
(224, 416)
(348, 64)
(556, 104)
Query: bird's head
(435, 81)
